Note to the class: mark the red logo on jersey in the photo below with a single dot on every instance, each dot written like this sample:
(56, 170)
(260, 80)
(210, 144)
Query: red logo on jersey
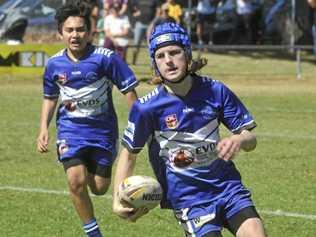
(171, 121)
(182, 158)
(63, 148)
(69, 105)
(62, 78)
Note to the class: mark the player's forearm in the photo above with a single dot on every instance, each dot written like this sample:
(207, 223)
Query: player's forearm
(312, 3)
(131, 96)
(48, 108)
(124, 169)
(248, 140)
(123, 9)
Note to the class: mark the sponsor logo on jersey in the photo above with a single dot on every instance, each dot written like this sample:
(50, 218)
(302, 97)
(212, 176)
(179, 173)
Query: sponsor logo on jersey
(171, 121)
(88, 103)
(208, 113)
(205, 148)
(62, 78)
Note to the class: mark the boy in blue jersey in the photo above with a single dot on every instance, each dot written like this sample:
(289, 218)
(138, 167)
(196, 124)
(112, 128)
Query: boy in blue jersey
(82, 76)
(179, 120)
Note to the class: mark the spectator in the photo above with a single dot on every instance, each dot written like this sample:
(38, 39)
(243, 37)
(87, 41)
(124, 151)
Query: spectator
(246, 22)
(143, 13)
(100, 32)
(163, 17)
(91, 7)
(269, 19)
(312, 4)
(116, 28)
(107, 5)
(175, 10)
(206, 17)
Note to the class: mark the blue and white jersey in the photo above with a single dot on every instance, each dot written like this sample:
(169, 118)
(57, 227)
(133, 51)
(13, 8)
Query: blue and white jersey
(86, 110)
(187, 129)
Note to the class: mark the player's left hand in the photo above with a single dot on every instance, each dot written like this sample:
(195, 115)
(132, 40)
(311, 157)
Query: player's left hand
(228, 147)
(125, 211)
(139, 212)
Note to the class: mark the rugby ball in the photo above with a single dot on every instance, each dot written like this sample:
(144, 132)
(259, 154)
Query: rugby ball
(140, 191)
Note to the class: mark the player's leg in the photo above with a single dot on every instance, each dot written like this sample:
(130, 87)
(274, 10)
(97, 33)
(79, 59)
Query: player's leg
(246, 223)
(77, 177)
(139, 33)
(199, 29)
(211, 20)
(98, 185)
(251, 227)
(203, 220)
(99, 167)
(242, 218)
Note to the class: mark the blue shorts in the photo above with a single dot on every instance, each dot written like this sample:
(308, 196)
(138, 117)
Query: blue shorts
(88, 152)
(212, 217)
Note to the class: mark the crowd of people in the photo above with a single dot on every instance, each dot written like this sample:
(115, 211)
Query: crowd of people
(115, 22)
(118, 24)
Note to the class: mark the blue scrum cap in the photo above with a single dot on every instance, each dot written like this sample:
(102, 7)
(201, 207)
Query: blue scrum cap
(166, 34)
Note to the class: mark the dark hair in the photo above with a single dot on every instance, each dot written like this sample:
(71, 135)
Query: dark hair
(73, 8)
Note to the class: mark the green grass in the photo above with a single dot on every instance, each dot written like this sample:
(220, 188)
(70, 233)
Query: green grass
(281, 172)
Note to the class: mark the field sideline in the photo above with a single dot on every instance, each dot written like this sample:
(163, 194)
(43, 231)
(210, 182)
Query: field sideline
(281, 172)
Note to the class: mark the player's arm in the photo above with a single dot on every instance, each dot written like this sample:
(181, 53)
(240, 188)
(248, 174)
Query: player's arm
(123, 9)
(312, 3)
(48, 108)
(230, 146)
(131, 96)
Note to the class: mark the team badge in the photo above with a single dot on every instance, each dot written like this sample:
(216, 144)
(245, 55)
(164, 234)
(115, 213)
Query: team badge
(63, 147)
(62, 78)
(171, 121)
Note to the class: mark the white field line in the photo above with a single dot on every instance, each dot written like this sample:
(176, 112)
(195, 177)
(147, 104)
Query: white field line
(64, 193)
(285, 136)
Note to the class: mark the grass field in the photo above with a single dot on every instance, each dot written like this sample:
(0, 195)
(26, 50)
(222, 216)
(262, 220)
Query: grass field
(281, 172)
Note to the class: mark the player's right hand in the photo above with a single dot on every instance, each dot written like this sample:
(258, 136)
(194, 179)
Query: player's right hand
(42, 142)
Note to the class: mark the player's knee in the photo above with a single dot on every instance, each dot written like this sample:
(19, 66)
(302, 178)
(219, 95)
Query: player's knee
(76, 186)
(251, 227)
(100, 188)
(99, 191)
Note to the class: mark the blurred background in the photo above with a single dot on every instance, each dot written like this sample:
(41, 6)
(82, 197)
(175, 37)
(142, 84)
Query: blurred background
(213, 22)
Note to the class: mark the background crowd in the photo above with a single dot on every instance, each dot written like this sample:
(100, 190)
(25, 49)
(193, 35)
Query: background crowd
(119, 24)
(209, 21)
